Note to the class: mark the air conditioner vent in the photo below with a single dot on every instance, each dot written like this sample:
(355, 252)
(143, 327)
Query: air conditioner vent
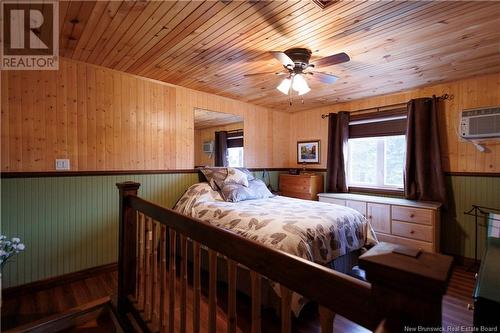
(480, 123)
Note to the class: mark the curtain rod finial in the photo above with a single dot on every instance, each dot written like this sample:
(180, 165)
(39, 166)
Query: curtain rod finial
(447, 97)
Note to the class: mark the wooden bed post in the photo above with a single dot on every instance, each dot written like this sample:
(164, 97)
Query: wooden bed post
(407, 291)
(127, 244)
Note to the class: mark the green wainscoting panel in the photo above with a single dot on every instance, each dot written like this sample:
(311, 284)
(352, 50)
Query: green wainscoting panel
(457, 230)
(71, 223)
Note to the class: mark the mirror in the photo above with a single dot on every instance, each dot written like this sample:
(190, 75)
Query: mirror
(218, 139)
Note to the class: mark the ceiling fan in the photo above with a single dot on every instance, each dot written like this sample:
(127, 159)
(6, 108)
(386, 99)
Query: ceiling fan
(296, 63)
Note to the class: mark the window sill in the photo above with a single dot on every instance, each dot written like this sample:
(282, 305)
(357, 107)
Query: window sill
(380, 191)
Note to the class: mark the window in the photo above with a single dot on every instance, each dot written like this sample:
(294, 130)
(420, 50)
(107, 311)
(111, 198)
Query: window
(235, 157)
(377, 161)
(235, 148)
(376, 151)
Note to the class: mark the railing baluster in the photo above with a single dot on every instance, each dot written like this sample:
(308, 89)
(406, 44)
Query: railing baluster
(196, 287)
(286, 297)
(142, 271)
(171, 282)
(256, 300)
(149, 276)
(137, 256)
(212, 291)
(231, 307)
(163, 279)
(184, 281)
(154, 295)
(326, 318)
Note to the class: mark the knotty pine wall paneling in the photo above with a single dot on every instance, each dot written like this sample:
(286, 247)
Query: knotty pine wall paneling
(458, 155)
(102, 119)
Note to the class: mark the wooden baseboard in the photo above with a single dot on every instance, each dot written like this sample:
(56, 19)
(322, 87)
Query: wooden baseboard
(57, 280)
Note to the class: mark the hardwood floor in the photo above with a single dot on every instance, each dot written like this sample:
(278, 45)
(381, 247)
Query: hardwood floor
(31, 307)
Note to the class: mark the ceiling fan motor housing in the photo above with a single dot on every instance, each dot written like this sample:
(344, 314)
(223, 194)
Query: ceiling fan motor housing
(300, 57)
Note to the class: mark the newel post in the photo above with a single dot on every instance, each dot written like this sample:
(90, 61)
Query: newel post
(407, 291)
(127, 243)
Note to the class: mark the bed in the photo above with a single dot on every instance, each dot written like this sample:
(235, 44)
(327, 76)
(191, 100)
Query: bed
(320, 232)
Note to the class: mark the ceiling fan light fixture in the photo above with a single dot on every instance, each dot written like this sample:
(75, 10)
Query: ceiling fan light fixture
(304, 91)
(300, 84)
(284, 86)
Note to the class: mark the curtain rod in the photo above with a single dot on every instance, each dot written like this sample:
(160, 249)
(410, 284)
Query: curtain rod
(235, 130)
(377, 108)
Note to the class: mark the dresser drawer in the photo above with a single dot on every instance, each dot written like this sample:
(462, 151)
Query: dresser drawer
(298, 195)
(295, 180)
(410, 214)
(295, 188)
(412, 230)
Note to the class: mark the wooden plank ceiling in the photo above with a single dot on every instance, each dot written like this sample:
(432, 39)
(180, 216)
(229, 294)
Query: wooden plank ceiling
(205, 119)
(209, 46)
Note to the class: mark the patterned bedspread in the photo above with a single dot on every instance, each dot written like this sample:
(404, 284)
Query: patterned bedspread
(316, 231)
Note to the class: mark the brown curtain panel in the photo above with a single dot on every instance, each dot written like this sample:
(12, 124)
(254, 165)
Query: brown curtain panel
(338, 134)
(424, 178)
(221, 149)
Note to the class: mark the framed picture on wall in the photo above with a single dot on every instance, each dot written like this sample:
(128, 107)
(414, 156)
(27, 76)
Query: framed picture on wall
(308, 152)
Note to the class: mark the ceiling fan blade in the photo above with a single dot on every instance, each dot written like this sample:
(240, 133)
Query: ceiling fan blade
(263, 73)
(324, 77)
(283, 58)
(332, 60)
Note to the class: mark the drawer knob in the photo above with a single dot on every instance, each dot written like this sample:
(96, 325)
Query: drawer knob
(475, 276)
(470, 307)
(412, 232)
(412, 215)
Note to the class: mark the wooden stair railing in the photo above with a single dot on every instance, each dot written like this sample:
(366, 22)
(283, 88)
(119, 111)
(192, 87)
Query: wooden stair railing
(403, 291)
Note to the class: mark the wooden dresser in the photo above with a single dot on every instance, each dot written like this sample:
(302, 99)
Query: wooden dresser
(400, 221)
(303, 186)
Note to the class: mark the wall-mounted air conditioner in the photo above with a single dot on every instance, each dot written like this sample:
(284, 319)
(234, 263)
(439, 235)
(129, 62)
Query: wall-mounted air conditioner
(208, 147)
(480, 123)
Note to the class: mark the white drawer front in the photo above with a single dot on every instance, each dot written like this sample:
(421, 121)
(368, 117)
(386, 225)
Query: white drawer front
(410, 214)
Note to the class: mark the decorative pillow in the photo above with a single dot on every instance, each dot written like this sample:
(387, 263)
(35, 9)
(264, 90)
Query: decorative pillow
(215, 177)
(236, 192)
(235, 176)
(247, 172)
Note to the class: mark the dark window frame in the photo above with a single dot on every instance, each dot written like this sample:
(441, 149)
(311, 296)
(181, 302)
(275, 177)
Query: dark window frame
(235, 139)
(378, 124)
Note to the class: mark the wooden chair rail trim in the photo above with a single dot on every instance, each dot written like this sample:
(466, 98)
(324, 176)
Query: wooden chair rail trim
(338, 292)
